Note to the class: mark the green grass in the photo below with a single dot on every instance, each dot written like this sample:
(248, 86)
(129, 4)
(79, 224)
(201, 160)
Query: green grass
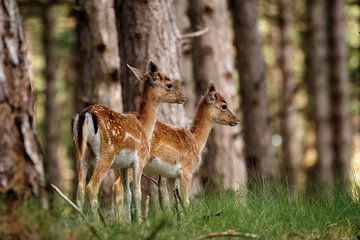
(270, 214)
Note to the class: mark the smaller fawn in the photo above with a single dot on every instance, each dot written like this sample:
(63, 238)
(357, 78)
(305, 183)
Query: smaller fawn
(119, 140)
(176, 152)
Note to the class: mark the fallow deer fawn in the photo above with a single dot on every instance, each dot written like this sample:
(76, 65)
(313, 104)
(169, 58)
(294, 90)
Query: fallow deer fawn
(176, 152)
(119, 140)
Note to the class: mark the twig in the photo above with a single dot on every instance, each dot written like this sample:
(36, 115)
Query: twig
(151, 179)
(227, 234)
(73, 205)
(195, 34)
(163, 223)
(213, 214)
(176, 206)
(179, 198)
(102, 217)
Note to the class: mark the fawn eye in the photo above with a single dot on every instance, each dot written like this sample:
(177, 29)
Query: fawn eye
(169, 86)
(223, 107)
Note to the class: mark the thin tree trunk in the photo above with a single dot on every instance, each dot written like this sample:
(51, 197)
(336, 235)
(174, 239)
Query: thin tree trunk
(254, 98)
(185, 61)
(52, 132)
(223, 165)
(339, 83)
(148, 30)
(291, 148)
(321, 173)
(21, 161)
(99, 75)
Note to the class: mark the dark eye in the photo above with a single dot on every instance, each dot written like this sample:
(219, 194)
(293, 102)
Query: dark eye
(169, 86)
(223, 107)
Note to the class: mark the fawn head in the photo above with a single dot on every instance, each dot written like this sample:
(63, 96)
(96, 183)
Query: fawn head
(163, 88)
(217, 106)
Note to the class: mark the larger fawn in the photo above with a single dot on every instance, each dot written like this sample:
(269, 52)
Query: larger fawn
(119, 140)
(176, 152)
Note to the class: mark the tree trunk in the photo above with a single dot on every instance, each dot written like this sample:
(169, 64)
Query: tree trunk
(21, 161)
(52, 133)
(339, 83)
(99, 75)
(147, 30)
(291, 148)
(223, 165)
(254, 99)
(321, 173)
(185, 61)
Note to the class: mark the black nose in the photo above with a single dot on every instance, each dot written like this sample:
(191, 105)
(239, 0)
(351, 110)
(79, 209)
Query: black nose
(181, 100)
(234, 123)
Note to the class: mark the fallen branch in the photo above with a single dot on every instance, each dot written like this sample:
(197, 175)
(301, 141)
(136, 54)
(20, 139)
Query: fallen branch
(163, 223)
(195, 34)
(73, 205)
(227, 234)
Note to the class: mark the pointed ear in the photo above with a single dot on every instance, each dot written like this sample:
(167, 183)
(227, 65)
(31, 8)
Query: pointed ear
(210, 93)
(211, 87)
(152, 67)
(138, 73)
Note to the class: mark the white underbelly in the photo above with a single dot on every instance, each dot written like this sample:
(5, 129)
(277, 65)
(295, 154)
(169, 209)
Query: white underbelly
(158, 167)
(125, 158)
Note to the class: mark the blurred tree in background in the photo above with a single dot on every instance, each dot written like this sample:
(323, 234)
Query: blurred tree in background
(21, 156)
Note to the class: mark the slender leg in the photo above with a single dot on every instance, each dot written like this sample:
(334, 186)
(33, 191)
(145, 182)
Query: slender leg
(127, 193)
(101, 169)
(185, 183)
(118, 197)
(170, 187)
(137, 190)
(82, 168)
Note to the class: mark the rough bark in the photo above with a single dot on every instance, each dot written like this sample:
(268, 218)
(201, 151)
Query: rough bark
(315, 45)
(99, 75)
(223, 165)
(52, 134)
(254, 99)
(147, 30)
(291, 148)
(21, 161)
(339, 83)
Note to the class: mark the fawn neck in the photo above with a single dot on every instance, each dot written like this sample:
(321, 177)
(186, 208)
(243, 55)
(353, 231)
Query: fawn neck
(201, 127)
(148, 109)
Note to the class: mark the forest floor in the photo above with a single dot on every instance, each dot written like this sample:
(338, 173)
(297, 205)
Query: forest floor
(267, 214)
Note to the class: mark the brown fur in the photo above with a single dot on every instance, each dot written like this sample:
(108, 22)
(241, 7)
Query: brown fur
(184, 146)
(120, 131)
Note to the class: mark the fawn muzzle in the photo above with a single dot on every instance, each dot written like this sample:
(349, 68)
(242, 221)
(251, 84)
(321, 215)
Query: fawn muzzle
(181, 100)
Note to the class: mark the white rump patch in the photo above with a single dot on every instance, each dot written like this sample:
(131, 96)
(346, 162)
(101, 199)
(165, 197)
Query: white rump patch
(93, 139)
(125, 158)
(156, 166)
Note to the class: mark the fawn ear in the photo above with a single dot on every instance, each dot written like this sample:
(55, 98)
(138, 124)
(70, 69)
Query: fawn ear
(152, 67)
(137, 72)
(152, 70)
(210, 93)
